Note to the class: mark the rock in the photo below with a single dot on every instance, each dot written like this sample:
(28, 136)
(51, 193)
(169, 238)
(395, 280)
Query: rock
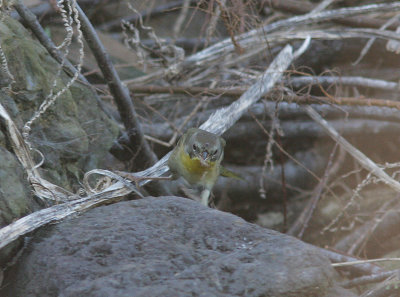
(167, 246)
(15, 197)
(74, 134)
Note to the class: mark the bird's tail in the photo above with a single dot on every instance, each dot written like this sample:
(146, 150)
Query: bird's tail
(227, 173)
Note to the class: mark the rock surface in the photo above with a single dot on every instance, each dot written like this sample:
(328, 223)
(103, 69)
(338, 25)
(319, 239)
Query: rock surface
(167, 246)
(74, 134)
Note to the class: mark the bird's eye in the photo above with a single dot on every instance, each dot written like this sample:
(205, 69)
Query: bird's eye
(194, 147)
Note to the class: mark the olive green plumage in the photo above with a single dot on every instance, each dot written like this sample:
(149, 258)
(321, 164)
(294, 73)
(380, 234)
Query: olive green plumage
(197, 158)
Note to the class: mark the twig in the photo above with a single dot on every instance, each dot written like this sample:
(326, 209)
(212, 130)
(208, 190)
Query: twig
(362, 238)
(296, 82)
(364, 161)
(371, 41)
(226, 117)
(256, 38)
(388, 288)
(305, 216)
(224, 47)
(361, 268)
(39, 218)
(43, 188)
(343, 80)
(348, 263)
(297, 7)
(43, 38)
(181, 18)
(212, 24)
(321, 6)
(368, 279)
(116, 24)
(120, 93)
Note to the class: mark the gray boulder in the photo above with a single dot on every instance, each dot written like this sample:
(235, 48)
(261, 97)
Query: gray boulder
(74, 134)
(167, 246)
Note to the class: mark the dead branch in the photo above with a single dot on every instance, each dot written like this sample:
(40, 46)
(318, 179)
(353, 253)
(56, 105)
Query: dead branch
(121, 94)
(224, 47)
(357, 269)
(369, 279)
(304, 218)
(170, 6)
(364, 161)
(54, 213)
(253, 38)
(297, 7)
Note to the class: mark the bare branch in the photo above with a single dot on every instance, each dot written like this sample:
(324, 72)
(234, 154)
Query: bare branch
(121, 94)
(364, 161)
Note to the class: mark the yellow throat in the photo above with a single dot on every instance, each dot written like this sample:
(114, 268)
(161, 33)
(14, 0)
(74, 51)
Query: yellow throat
(194, 166)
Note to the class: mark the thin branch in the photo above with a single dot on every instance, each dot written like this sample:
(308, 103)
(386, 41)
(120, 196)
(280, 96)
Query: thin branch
(304, 218)
(224, 47)
(161, 9)
(368, 279)
(220, 121)
(42, 217)
(361, 268)
(297, 7)
(120, 93)
(364, 161)
(256, 38)
(294, 81)
(344, 80)
(181, 18)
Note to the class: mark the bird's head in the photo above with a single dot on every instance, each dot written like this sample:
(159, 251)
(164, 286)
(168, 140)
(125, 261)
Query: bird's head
(207, 147)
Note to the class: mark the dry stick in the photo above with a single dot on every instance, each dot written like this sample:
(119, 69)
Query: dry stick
(39, 218)
(368, 279)
(305, 216)
(42, 187)
(181, 18)
(225, 119)
(305, 99)
(116, 24)
(364, 161)
(358, 81)
(296, 82)
(388, 288)
(321, 6)
(224, 47)
(247, 40)
(120, 93)
(371, 41)
(212, 24)
(361, 268)
(302, 7)
(361, 240)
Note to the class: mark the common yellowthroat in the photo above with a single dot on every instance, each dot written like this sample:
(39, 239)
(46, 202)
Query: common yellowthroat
(197, 158)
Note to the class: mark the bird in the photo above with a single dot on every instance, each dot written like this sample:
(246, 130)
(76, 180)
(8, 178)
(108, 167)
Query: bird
(197, 158)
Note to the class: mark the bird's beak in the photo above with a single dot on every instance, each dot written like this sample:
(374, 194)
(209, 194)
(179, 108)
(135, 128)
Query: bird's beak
(204, 155)
(203, 159)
